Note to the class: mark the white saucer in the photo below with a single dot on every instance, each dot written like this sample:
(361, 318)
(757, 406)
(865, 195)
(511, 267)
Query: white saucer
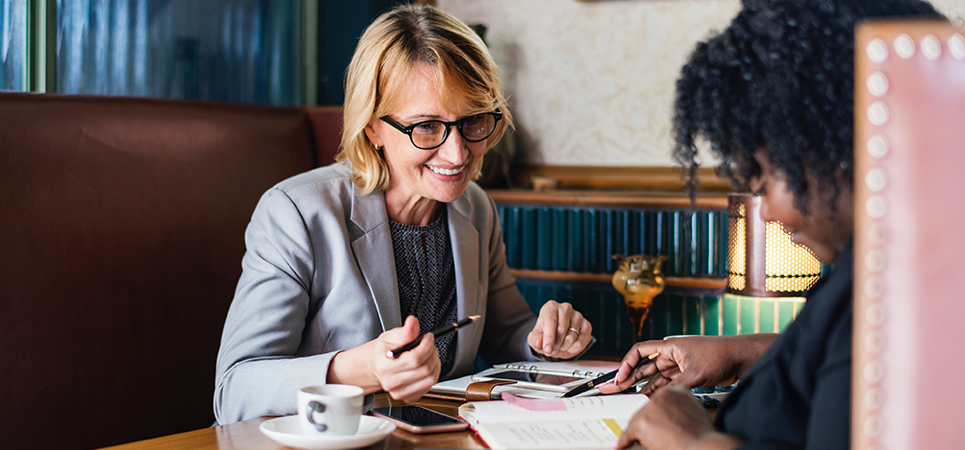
(287, 431)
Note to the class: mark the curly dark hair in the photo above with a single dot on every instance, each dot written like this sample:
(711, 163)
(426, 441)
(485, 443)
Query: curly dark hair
(781, 78)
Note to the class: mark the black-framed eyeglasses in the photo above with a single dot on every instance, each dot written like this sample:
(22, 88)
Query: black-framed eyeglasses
(431, 134)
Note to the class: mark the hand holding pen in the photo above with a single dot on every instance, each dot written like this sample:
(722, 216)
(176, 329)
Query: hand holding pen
(598, 381)
(406, 378)
(437, 333)
(392, 363)
(691, 361)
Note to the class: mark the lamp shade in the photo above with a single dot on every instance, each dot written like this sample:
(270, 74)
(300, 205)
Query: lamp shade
(762, 260)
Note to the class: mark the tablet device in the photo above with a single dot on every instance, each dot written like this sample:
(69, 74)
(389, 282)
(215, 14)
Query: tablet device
(416, 419)
(531, 380)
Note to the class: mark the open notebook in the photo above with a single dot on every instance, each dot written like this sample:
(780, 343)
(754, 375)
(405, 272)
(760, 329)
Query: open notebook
(573, 423)
(555, 377)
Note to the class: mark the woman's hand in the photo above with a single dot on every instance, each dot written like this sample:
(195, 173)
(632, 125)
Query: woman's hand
(673, 419)
(409, 376)
(372, 367)
(690, 361)
(554, 334)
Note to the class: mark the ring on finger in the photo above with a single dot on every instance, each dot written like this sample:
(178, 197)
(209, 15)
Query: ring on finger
(575, 331)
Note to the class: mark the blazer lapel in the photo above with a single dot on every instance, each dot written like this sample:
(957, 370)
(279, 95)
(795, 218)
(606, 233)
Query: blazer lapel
(374, 255)
(465, 254)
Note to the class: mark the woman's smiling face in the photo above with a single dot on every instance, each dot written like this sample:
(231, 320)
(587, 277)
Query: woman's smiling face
(825, 231)
(440, 174)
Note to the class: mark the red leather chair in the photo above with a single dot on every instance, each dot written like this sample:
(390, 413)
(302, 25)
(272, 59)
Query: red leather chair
(909, 247)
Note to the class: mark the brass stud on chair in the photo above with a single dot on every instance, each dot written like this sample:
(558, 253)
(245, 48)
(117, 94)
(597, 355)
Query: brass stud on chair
(874, 261)
(905, 46)
(956, 45)
(872, 426)
(873, 288)
(930, 47)
(873, 371)
(876, 179)
(878, 113)
(877, 84)
(874, 342)
(878, 146)
(874, 315)
(876, 206)
(877, 51)
(876, 233)
(873, 399)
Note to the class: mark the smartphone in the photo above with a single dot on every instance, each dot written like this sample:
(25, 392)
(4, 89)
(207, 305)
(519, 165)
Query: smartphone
(416, 419)
(541, 381)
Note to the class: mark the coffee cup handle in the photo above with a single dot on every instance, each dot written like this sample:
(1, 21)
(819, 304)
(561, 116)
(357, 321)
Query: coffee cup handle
(314, 407)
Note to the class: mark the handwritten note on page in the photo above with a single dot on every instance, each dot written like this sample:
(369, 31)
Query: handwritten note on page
(582, 423)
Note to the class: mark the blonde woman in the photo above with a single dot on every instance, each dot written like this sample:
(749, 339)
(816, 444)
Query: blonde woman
(349, 261)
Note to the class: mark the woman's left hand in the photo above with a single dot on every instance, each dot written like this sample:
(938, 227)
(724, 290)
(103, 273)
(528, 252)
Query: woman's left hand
(673, 419)
(560, 332)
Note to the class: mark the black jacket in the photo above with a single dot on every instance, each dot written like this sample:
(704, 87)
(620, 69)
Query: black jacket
(798, 394)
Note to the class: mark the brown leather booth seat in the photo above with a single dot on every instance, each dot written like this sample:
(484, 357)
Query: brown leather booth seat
(121, 235)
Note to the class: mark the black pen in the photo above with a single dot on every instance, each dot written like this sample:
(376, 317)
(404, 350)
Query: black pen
(605, 377)
(441, 331)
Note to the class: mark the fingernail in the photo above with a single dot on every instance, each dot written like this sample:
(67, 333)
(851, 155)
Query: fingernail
(613, 444)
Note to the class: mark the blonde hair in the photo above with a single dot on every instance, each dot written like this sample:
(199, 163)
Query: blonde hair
(391, 46)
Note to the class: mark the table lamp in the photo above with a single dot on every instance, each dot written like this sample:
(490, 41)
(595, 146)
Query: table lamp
(763, 263)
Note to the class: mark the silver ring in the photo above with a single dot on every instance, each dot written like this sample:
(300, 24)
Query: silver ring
(575, 331)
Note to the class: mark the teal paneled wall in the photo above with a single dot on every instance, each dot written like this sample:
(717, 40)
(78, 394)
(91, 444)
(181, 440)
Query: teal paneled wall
(604, 308)
(674, 312)
(574, 239)
(341, 24)
(600, 304)
(582, 239)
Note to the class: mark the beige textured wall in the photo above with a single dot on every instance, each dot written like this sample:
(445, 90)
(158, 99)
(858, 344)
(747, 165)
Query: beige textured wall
(592, 83)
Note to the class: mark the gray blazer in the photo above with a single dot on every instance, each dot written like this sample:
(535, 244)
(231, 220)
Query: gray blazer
(319, 277)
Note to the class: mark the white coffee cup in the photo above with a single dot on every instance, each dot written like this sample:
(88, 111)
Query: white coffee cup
(330, 409)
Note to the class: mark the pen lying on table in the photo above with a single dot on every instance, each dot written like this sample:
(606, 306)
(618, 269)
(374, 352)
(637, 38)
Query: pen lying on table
(439, 332)
(605, 377)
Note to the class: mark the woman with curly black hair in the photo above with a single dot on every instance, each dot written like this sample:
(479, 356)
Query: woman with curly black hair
(773, 95)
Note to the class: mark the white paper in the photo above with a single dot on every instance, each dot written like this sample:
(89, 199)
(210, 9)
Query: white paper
(551, 435)
(579, 408)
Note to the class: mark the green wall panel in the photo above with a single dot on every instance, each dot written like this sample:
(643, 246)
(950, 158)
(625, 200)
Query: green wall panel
(674, 312)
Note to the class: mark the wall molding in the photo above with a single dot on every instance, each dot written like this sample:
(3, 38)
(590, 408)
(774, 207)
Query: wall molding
(622, 178)
(603, 198)
(606, 278)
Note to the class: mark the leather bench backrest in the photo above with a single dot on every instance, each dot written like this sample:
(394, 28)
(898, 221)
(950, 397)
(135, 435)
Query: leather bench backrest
(121, 233)
(909, 208)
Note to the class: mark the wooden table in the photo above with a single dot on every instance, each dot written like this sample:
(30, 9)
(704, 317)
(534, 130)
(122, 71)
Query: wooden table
(246, 435)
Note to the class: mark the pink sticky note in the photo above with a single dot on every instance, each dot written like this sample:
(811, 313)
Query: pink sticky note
(533, 404)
